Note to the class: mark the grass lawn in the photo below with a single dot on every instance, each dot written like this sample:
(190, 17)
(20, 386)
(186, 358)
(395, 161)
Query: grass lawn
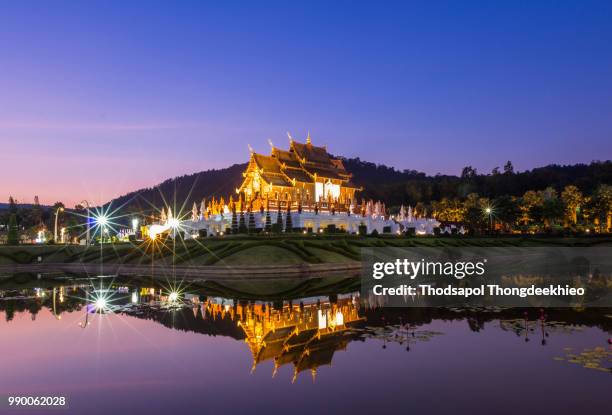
(263, 250)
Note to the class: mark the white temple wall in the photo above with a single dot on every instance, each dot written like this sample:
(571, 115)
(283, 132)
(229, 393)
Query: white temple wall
(219, 223)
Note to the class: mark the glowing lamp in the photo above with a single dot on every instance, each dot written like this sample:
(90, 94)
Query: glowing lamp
(102, 220)
(100, 304)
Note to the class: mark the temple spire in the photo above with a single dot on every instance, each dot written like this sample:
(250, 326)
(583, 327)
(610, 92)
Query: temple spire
(308, 141)
(194, 212)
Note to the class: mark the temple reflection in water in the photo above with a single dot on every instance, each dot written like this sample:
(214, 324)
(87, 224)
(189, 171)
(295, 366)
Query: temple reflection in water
(304, 334)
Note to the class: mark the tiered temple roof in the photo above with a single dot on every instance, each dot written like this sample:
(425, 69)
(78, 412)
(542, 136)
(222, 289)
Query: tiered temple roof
(303, 163)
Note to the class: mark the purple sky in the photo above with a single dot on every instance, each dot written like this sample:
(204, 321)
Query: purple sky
(100, 99)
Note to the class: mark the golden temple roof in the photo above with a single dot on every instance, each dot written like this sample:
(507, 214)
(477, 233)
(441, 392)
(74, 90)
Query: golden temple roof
(302, 163)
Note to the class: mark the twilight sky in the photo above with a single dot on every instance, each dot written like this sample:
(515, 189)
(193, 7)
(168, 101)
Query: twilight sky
(101, 98)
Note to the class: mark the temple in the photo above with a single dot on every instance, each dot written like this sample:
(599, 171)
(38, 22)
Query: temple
(303, 189)
(305, 173)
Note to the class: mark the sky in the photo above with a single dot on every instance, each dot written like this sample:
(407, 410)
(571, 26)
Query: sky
(101, 98)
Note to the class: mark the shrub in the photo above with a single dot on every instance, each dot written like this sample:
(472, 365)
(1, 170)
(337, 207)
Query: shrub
(268, 225)
(242, 228)
(252, 226)
(288, 221)
(279, 222)
(234, 221)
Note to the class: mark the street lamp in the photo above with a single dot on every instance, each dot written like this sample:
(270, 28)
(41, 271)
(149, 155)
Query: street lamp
(489, 212)
(135, 226)
(102, 221)
(86, 207)
(57, 211)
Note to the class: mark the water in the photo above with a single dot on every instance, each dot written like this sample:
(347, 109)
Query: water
(142, 353)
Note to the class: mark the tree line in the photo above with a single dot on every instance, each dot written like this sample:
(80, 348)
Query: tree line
(534, 211)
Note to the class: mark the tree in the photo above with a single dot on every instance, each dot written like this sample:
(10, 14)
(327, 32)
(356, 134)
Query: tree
(530, 207)
(288, 221)
(508, 168)
(552, 207)
(12, 206)
(234, 221)
(279, 221)
(473, 206)
(448, 210)
(36, 214)
(602, 206)
(506, 210)
(468, 172)
(13, 232)
(572, 200)
(242, 228)
(268, 225)
(252, 227)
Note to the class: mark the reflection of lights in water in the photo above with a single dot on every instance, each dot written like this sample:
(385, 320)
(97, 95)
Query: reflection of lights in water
(101, 301)
(339, 318)
(322, 318)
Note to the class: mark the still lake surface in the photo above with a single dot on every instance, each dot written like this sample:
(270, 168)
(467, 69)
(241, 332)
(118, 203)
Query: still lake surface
(140, 349)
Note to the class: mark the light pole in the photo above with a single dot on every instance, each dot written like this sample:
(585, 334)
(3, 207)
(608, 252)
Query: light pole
(87, 210)
(135, 227)
(57, 211)
(489, 212)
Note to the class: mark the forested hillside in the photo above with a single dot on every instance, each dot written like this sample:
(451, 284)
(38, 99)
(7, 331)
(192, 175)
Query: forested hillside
(385, 183)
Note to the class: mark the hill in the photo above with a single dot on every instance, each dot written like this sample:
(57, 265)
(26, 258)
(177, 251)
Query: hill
(382, 182)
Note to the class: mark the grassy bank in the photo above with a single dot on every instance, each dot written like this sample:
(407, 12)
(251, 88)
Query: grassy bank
(285, 250)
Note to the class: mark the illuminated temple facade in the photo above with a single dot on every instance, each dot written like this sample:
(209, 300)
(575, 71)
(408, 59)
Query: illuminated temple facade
(302, 189)
(303, 174)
